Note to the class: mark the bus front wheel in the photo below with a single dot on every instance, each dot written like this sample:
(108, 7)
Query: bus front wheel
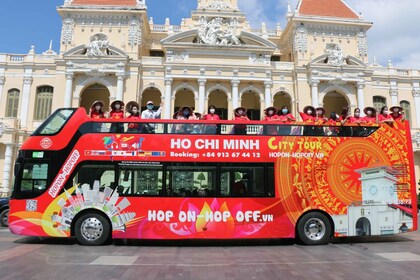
(92, 229)
(314, 229)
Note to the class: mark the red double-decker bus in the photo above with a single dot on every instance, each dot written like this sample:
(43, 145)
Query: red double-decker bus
(99, 180)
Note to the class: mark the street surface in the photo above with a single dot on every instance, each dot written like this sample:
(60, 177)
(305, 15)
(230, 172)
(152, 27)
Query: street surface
(391, 257)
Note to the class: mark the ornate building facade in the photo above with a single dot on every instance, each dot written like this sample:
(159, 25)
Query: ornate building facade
(112, 50)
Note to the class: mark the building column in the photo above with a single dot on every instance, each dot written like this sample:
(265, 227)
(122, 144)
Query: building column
(27, 82)
(268, 99)
(314, 92)
(2, 79)
(360, 96)
(235, 93)
(394, 97)
(120, 86)
(7, 170)
(416, 95)
(69, 90)
(201, 95)
(168, 98)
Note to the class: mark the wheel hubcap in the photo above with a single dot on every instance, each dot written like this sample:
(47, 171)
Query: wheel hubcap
(6, 218)
(92, 229)
(315, 229)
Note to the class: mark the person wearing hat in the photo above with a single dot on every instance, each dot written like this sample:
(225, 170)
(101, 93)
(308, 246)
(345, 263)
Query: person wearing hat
(320, 116)
(133, 109)
(149, 113)
(271, 116)
(185, 113)
(240, 116)
(117, 113)
(211, 116)
(370, 113)
(285, 117)
(397, 113)
(96, 110)
(308, 115)
(384, 116)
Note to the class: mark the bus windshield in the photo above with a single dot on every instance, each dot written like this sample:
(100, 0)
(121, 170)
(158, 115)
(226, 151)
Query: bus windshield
(55, 122)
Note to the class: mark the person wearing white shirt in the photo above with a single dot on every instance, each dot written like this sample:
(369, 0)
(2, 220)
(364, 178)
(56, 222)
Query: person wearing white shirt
(149, 113)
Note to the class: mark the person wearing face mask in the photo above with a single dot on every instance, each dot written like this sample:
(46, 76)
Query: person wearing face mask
(356, 121)
(285, 117)
(397, 113)
(384, 116)
(240, 116)
(117, 113)
(271, 116)
(133, 109)
(149, 113)
(185, 113)
(211, 116)
(308, 117)
(371, 117)
(334, 122)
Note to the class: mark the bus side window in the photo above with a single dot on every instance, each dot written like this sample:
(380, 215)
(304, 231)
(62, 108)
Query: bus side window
(89, 173)
(34, 178)
(141, 180)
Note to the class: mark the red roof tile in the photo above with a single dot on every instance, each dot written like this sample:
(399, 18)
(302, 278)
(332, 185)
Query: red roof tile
(326, 8)
(131, 3)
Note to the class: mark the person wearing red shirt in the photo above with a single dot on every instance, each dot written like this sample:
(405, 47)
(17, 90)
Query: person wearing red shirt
(384, 116)
(285, 117)
(333, 123)
(356, 118)
(397, 113)
(96, 110)
(211, 116)
(240, 116)
(370, 113)
(133, 109)
(308, 117)
(117, 113)
(271, 116)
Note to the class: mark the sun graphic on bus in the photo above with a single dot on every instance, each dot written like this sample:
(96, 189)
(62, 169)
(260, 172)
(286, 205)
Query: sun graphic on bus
(351, 163)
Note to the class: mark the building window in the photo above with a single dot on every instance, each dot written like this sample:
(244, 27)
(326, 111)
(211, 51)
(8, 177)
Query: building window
(12, 103)
(43, 102)
(379, 102)
(406, 107)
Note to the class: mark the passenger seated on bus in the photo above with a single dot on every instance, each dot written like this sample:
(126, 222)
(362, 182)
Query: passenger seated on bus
(97, 113)
(397, 113)
(185, 113)
(240, 116)
(320, 120)
(332, 128)
(239, 188)
(355, 122)
(344, 119)
(117, 113)
(272, 117)
(133, 109)
(308, 117)
(371, 117)
(285, 117)
(384, 116)
(211, 116)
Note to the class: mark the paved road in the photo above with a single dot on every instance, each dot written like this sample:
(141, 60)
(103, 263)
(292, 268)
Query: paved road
(393, 257)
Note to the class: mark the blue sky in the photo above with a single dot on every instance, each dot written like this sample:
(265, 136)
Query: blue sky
(35, 22)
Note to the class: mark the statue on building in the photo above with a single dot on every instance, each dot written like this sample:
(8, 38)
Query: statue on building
(335, 55)
(218, 32)
(98, 46)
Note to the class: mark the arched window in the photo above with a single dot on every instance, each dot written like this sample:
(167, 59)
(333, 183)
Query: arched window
(43, 103)
(379, 102)
(406, 107)
(12, 103)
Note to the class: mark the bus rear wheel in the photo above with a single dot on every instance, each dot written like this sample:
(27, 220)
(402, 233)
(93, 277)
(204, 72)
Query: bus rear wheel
(92, 229)
(314, 229)
(4, 218)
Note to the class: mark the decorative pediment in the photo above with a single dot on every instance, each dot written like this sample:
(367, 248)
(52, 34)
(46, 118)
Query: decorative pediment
(334, 56)
(98, 47)
(194, 37)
